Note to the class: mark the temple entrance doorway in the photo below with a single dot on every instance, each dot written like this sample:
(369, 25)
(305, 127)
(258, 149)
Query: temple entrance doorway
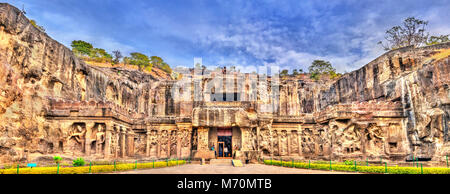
(224, 142)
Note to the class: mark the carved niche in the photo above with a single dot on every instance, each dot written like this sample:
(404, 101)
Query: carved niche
(98, 139)
(275, 142)
(164, 143)
(76, 138)
(283, 143)
(264, 141)
(173, 143)
(308, 143)
(374, 140)
(294, 142)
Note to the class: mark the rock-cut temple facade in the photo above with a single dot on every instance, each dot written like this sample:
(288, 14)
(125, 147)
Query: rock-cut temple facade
(51, 103)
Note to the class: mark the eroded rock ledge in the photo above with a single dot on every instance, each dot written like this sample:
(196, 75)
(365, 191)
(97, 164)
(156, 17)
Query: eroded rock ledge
(51, 103)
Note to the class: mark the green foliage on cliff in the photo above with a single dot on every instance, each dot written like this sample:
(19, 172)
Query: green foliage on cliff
(159, 62)
(81, 48)
(320, 67)
(41, 28)
(140, 60)
(86, 50)
(438, 39)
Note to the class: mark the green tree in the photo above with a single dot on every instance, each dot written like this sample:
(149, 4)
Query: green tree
(81, 48)
(320, 67)
(295, 72)
(140, 60)
(411, 33)
(284, 72)
(159, 62)
(100, 55)
(438, 39)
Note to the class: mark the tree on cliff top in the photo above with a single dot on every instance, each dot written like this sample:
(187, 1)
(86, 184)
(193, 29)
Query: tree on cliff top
(81, 47)
(320, 67)
(159, 62)
(140, 60)
(438, 39)
(117, 56)
(411, 33)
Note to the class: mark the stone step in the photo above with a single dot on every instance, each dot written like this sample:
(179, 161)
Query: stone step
(220, 161)
(237, 163)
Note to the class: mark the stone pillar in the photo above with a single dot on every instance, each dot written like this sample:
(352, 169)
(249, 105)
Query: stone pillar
(108, 133)
(257, 139)
(299, 140)
(203, 138)
(169, 142)
(271, 142)
(147, 142)
(130, 142)
(178, 143)
(159, 144)
(288, 136)
(279, 142)
(122, 142)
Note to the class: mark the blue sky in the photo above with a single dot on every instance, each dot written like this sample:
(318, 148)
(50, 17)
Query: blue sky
(289, 34)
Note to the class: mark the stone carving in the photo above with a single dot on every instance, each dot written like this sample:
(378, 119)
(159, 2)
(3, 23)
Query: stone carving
(164, 143)
(76, 138)
(265, 141)
(351, 140)
(153, 143)
(377, 110)
(308, 142)
(276, 149)
(294, 143)
(374, 142)
(99, 139)
(140, 144)
(283, 143)
(173, 143)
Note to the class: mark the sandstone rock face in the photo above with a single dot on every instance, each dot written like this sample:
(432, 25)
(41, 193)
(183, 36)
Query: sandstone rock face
(51, 103)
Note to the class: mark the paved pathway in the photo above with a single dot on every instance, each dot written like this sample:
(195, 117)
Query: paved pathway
(228, 169)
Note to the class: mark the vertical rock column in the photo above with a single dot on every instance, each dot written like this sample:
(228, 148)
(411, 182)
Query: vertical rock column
(288, 136)
(279, 142)
(178, 144)
(108, 133)
(122, 142)
(159, 144)
(147, 142)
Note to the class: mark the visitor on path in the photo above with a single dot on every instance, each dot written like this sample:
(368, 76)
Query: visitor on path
(212, 148)
(234, 151)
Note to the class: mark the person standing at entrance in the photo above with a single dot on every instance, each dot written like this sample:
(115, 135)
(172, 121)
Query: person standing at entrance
(234, 151)
(212, 148)
(225, 150)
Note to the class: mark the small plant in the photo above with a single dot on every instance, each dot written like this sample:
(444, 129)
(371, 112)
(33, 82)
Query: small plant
(348, 162)
(57, 159)
(78, 162)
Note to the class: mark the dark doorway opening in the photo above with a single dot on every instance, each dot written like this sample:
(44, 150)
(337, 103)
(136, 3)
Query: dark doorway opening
(224, 140)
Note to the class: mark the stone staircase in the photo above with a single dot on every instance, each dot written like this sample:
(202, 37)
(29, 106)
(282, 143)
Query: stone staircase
(226, 162)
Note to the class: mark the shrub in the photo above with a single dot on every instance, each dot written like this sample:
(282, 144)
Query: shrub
(348, 162)
(366, 169)
(94, 169)
(78, 162)
(57, 159)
